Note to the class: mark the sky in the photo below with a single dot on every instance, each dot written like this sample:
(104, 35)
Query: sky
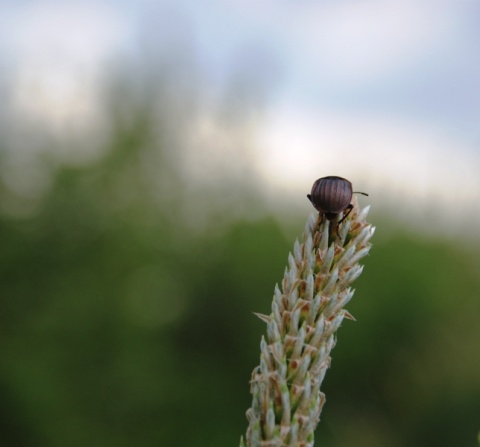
(384, 93)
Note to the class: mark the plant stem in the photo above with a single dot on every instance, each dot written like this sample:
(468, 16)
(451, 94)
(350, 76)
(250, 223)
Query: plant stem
(306, 312)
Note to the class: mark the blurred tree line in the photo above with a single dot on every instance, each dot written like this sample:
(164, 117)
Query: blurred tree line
(124, 322)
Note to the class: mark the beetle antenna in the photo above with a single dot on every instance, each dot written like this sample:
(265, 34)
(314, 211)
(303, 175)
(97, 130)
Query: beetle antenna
(359, 192)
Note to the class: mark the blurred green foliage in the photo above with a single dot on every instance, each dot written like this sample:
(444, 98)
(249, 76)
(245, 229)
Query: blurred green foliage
(120, 325)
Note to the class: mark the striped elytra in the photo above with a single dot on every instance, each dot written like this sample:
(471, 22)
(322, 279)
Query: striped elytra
(332, 195)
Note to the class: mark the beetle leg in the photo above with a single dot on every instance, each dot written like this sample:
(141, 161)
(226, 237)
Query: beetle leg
(346, 212)
(309, 197)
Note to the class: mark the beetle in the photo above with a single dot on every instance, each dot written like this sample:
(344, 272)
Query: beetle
(332, 195)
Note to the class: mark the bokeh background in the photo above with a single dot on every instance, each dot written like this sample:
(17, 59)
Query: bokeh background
(154, 162)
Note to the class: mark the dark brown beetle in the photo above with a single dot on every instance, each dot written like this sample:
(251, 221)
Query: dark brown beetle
(331, 196)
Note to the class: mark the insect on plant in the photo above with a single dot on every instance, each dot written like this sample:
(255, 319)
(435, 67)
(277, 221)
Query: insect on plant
(331, 196)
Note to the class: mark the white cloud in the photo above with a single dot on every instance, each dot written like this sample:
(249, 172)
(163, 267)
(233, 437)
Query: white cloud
(58, 53)
(357, 41)
(366, 40)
